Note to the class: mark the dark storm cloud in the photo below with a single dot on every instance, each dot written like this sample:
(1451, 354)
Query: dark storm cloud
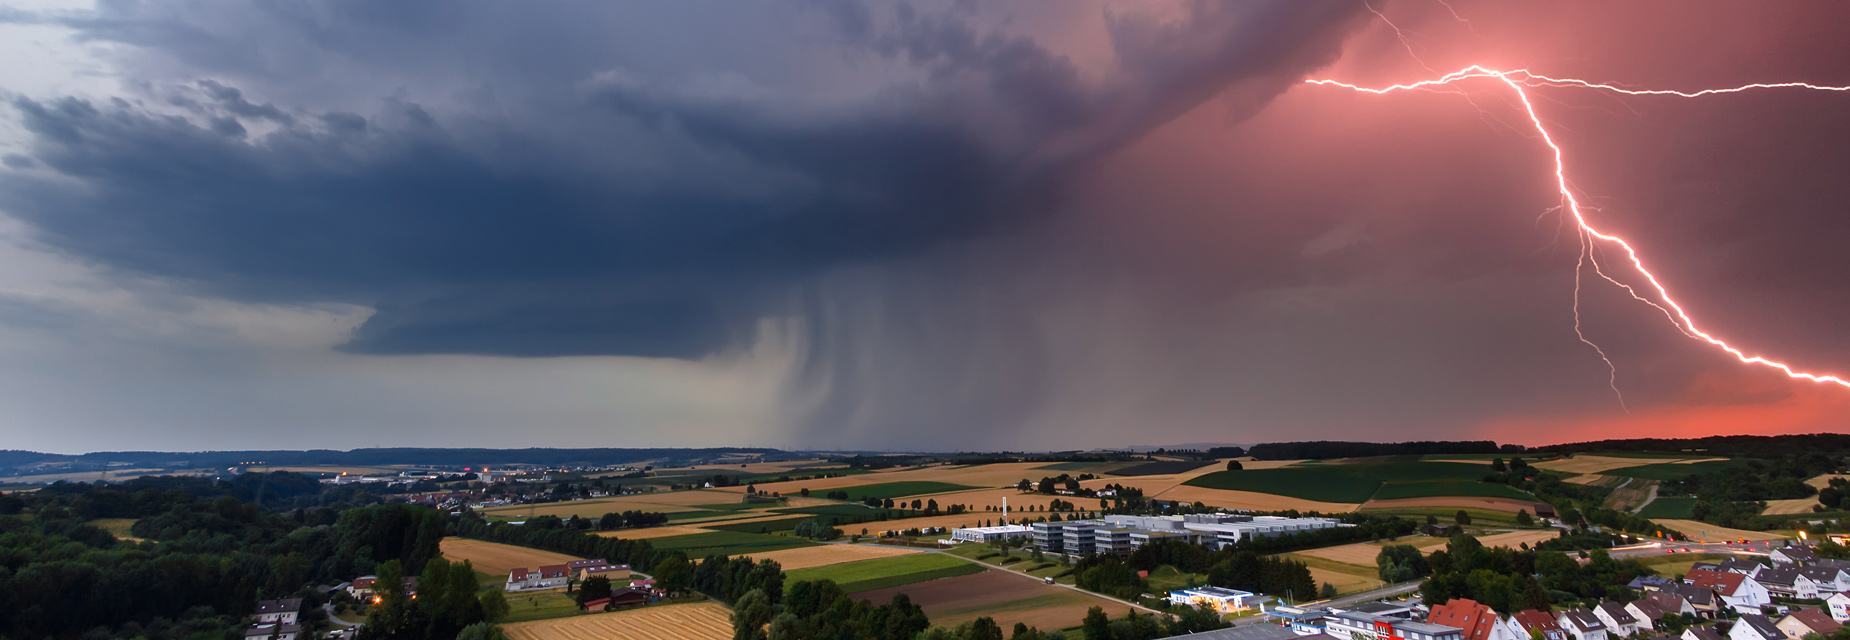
(486, 231)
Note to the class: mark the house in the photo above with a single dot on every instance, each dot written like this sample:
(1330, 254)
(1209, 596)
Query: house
(1618, 621)
(283, 611)
(1581, 624)
(1701, 633)
(1649, 583)
(1303, 621)
(273, 631)
(1802, 622)
(1736, 565)
(615, 572)
(1736, 590)
(1785, 582)
(1438, 530)
(1356, 625)
(1217, 599)
(1474, 621)
(1793, 555)
(1824, 579)
(518, 578)
(1704, 601)
(1670, 603)
(1839, 606)
(1753, 626)
(1646, 613)
(1524, 623)
(552, 575)
(361, 588)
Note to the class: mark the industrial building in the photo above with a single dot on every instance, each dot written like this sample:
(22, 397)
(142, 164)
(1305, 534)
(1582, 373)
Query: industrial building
(1122, 534)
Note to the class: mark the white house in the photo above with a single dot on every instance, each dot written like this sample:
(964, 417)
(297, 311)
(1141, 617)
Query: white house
(278, 611)
(1826, 579)
(1618, 621)
(1474, 621)
(272, 631)
(1753, 626)
(1737, 590)
(1701, 633)
(1839, 606)
(1581, 624)
(1792, 555)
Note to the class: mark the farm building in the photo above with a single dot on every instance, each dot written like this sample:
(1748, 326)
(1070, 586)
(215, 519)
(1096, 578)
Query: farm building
(991, 534)
(1218, 599)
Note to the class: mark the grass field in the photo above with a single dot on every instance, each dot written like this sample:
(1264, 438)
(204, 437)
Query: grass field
(1006, 596)
(1457, 487)
(897, 490)
(760, 526)
(539, 606)
(1673, 470)
(883, 573)
(1162, 467)
(1351, 483)
(1675, 508)
(832, 510)
(1671, 566)
(698, 621)
(118, 527)
(1715, 533)
(731, 543)
(497, 559)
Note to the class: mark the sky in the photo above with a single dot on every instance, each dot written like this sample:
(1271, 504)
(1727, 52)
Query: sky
(943, 225)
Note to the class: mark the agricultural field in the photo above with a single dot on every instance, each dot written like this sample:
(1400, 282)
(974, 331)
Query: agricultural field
(1501, 510)
(697, 621)
(1674, 470)
(832, 554)
(1339, 483)
(905, 489)
(1788, 507)
(497, 559)
(1253, 500)
(1165, 467)
(660, 502)
(1591, 463)
(1697, 530)
(1348, 578)
(731, 543)
(1006, 596)
(1674, 508)
(540, 605)
(1449, 487)
(1004, 474)
(882, 573)
(118, 527)
(1824, 480)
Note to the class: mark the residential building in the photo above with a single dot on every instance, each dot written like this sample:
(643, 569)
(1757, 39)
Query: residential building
(614, 572)
(1753, 626)
(1618, 621)
(1839, 606)
(1825, 579)
(1248, 632)
(1581, 624)
(1798, 555)
(1701, 633)
(1802, 622)
(1355, 625)
(1303, 621)
(361, 588)
(273, 631)
(1218, 599)
(1383, 608)
(1523, 622)
(1704, 600)
(518, 578)
(552, 575)
(1475, 621)
(1737, 590)
(1649, 583)
(1668, 602)
(1647, 614)
(283, 611)
(992, 534)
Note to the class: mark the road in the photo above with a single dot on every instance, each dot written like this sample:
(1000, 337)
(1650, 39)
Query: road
(1663, 547)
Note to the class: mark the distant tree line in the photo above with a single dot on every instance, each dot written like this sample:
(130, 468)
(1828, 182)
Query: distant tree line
(1323, 450)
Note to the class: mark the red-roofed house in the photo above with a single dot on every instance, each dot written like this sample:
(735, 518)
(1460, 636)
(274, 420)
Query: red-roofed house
(1803, 622)
(518, 578)
(552, 575)
(1737, 590)
(1476, 621)
(1522, 622)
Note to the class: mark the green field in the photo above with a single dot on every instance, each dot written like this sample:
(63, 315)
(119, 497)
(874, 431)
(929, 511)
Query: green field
(731, 543)
(1526, 457)
(1353, 483)
(834, 510)
(1672, 470)
(896, 490)
(1673, 508)
(1435, 488)
(762, 526)
(540, 606)
(1159, 467)
(867, 575)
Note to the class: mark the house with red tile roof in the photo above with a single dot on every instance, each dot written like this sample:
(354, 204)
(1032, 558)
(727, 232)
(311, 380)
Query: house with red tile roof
(1476, 621)
(1522, 622)
(1736, 590)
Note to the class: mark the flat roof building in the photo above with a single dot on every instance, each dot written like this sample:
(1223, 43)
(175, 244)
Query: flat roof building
(991, 534)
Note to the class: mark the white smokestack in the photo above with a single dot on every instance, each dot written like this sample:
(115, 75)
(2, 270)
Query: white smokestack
(1005, 509)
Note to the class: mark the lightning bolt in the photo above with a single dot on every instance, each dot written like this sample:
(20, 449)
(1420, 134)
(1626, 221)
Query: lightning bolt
(1519, 82)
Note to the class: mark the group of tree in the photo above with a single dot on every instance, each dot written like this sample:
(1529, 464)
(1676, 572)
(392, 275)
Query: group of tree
(816, 529)
(820, 610)
(1510, 580)
(1138, 626)
(1735, 496)
(449, 599)
(551, 533)
(728, 579)
(1230, 566)
(630, 520)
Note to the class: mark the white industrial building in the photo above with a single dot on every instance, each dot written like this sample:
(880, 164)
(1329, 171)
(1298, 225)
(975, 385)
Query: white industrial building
(1121, 534)
(991, 534)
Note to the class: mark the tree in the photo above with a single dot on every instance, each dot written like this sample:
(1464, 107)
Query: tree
(1097, 625)
(1234, 465)
(1496, 465)
(595, 588)
(494, 605)
(1534, 596)
(1329, 591)
(1024, 486)
(1462, 517)
(673, 574)
(984, 628)
(1523, 518)
(750, 615)
(481, 631)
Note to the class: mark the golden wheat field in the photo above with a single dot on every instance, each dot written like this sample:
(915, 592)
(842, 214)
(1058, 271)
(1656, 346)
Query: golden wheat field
(498, 559)
(697, 621)
(1824, 480)
(1599, 464)
(1004, 474)
(1713, 533)
(1784, 507)
(651, 532)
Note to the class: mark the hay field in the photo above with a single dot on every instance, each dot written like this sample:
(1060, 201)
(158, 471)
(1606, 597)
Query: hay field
(1598, 464)
(948, 522)
(1345, 582)
(1784, 507)
(828, 554)
(993, 498)
(1694, 529)
(662, 502)
(1360, 553)
(498, 559)
(697, 621)
(1515, 539)
(1824, 480)
(1506, 505)
(1004, 474)
(1232, 499)
(646, 533)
